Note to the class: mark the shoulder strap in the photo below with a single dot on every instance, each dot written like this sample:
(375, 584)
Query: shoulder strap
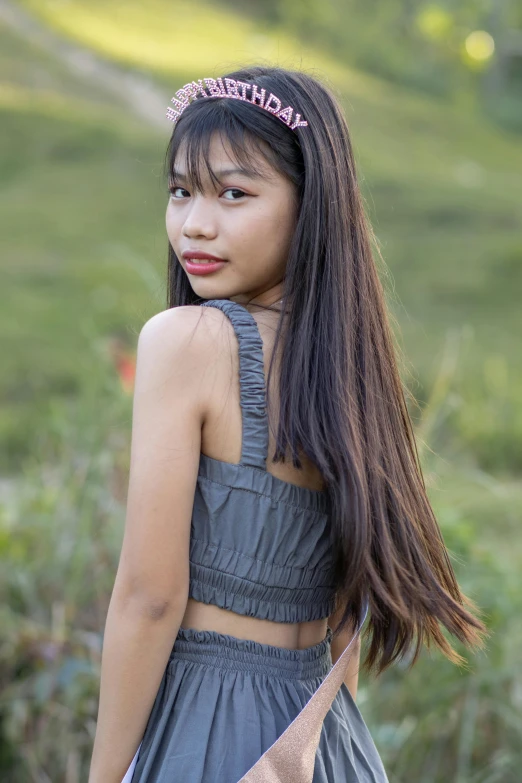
(254, 442)
(292, 755)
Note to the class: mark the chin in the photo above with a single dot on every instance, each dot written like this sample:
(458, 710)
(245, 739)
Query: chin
(210, 291)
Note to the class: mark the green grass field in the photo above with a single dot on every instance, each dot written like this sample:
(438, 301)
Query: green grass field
(84, 260)
(83, 200)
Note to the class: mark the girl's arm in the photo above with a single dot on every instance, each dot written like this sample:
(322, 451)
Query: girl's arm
(151, 587)
(338, 646)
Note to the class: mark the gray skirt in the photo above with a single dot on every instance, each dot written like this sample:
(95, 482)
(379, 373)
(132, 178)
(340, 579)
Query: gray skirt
(223, 701)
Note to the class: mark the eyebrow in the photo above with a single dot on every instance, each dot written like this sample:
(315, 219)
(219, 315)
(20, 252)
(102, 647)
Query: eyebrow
(178, 175)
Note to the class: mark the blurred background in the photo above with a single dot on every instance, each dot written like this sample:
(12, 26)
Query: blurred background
(433, 96)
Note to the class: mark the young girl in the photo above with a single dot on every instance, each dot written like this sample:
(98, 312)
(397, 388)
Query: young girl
(274, 490)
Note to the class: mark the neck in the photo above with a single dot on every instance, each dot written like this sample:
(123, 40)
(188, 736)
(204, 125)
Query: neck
(266, 299)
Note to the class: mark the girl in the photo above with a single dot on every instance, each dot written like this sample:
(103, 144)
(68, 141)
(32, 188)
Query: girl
(243, 574)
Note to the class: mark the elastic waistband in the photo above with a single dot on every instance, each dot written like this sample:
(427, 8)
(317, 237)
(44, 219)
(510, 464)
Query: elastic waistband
(229, 652)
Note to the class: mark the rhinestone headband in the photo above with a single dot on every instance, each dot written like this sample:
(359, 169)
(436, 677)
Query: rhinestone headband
(230, 88)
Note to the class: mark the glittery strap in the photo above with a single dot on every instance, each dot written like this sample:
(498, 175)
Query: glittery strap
(292, 755)
(254, 445)
(291, 758)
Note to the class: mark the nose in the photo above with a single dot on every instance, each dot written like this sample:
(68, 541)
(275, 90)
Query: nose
(199, 219)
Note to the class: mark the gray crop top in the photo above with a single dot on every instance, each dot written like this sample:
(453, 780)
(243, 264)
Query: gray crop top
(259, 546)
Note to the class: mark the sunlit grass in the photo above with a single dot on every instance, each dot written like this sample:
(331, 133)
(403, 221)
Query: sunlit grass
(47, 102)
(82, 209)
(179, 39)
(442, 193)
(171, 36)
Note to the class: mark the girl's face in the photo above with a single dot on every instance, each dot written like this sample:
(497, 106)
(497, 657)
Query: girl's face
(248, 221)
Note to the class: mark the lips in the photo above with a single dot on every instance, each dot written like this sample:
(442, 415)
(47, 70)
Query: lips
(200, 257)
(204, 265)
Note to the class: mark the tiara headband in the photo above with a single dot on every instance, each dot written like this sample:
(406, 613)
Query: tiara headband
(230, 88)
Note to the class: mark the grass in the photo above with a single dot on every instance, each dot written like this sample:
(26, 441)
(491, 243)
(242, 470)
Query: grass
(84, 242)
(441, 191)
(60, 536)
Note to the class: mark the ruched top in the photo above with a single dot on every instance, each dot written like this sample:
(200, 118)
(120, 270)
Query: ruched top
(259, 546)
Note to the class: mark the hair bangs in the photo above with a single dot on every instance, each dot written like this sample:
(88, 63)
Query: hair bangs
(192, 137)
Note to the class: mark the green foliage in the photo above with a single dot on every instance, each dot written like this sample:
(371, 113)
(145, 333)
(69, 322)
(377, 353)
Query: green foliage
(60, 534)
(436, 722)
(85, 247)
(427, 46)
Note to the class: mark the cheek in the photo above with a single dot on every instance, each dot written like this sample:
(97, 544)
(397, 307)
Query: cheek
(172, 225)
(281, 225)
(268, 236)
(273, 222)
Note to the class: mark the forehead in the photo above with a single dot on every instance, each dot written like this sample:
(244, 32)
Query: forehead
(203, 162)
(217, 150)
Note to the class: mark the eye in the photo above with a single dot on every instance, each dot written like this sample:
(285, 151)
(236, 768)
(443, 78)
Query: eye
(238, 191)
(173, 190)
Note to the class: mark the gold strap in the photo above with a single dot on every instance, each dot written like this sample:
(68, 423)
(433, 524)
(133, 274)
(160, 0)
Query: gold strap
(292, 755)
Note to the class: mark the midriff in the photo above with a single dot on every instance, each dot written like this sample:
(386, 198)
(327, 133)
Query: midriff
(292, 636)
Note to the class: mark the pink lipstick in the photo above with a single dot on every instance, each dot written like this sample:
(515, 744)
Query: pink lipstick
(199, 263)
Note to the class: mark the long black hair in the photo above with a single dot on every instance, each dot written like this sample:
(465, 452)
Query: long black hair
(342, 401)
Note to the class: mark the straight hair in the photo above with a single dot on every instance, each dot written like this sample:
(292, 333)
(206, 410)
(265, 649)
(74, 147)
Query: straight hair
(342, 401)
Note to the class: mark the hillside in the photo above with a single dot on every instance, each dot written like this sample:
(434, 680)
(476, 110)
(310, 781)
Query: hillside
(83, 95)
(441, 189)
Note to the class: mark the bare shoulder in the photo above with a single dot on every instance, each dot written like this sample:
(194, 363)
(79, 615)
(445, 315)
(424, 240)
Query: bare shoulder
(176, 327)
(178, 333)
(173, 325)
(182, 347)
